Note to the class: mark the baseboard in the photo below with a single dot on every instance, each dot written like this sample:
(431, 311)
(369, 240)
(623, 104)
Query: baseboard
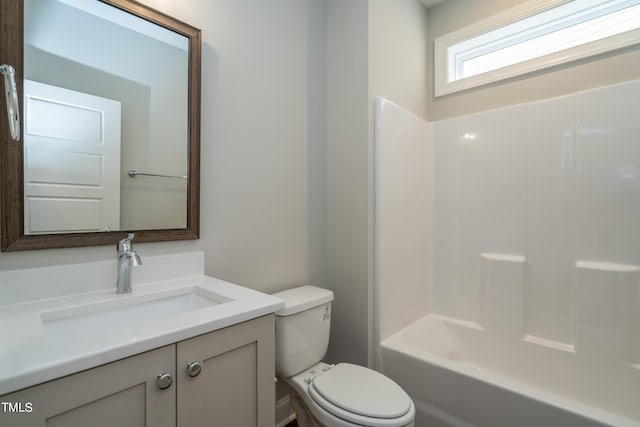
(284, 412)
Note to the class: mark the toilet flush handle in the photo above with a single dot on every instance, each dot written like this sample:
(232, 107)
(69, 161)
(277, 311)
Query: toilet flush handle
(194, 369)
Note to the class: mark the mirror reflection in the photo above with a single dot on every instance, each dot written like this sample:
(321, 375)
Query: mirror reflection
(105, 93)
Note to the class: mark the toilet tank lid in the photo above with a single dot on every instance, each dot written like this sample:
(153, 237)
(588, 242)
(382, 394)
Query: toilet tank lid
(302, 298)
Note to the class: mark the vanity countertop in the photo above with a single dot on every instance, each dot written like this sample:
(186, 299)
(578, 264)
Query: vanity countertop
(40, 343)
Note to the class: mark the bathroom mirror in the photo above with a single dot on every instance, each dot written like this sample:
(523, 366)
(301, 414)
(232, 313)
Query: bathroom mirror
(109, 95)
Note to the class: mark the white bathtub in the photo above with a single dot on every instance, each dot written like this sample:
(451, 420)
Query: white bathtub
(459, 376)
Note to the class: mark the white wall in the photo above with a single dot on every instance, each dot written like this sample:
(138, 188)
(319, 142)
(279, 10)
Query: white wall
(403, 211)
(534, 212)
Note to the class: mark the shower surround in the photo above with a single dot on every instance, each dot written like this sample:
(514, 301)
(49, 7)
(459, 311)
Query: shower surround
(508, 261)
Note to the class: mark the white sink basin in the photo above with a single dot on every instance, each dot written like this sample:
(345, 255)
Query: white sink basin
(125, 311)
(61, 320)
(50, 338)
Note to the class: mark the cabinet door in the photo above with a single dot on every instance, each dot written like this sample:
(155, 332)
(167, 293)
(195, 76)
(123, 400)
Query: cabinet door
(122, 393)
(235, 386)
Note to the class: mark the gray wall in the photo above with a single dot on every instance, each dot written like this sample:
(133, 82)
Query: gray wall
(262, 139)
(262, 146)
(347, 182)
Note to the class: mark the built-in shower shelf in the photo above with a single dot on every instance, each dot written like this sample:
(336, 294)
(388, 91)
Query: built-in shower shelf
(556, 345)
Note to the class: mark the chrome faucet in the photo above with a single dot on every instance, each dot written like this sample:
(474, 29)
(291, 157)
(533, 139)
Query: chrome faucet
(127, 258)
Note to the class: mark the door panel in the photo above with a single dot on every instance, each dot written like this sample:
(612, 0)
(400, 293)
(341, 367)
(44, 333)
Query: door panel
(72, 160)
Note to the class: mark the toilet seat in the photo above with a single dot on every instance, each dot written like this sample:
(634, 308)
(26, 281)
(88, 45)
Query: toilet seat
(361, 396)
(333, 415)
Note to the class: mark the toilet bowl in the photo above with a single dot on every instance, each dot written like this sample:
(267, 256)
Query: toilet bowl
(341, 395)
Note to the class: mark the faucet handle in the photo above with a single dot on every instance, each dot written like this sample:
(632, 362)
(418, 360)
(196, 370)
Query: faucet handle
(134, 258)
(125, 244)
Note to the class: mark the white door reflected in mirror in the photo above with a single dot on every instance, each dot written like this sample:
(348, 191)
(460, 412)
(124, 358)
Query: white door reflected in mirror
(71, 161)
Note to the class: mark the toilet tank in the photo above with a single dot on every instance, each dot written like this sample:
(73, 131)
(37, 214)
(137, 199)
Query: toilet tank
(302, 329)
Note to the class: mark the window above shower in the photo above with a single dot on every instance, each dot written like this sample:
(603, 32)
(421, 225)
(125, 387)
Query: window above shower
(530, 37)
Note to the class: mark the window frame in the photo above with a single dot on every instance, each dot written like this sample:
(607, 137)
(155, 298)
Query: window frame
(442, 44)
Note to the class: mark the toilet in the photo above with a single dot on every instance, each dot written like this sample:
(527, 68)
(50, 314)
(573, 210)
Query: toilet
(340, 395)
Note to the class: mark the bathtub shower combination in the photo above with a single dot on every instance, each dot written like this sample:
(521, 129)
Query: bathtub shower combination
(508, 261)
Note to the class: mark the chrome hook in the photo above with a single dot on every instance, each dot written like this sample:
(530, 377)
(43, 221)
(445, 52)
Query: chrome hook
(11, 97)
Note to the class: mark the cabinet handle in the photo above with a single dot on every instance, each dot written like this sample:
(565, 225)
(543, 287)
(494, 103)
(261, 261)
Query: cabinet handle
(194, 369)
(164, 381)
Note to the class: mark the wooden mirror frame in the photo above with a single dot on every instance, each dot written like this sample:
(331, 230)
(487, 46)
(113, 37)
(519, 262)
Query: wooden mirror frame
(11, 152)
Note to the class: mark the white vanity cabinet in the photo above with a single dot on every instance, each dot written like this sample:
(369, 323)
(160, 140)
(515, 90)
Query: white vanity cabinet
(236, 384)
(121, 393)
(221, 378)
